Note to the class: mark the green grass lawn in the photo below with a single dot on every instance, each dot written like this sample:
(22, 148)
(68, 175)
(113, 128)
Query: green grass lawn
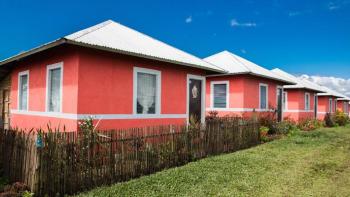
(315, 163)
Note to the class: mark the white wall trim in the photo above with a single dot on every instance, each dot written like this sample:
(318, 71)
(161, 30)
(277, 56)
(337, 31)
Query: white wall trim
(26, 72)
(50, 67)
(98, 116)
(299, 110)
(158, 89)
(203, 92)
(239, 110)
(267, 95)
(227, 83)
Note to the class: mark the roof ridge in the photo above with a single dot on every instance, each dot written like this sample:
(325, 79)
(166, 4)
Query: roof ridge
(90, 30)
(232, 55)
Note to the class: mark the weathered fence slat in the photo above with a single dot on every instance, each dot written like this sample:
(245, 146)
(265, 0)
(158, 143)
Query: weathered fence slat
(70, 162)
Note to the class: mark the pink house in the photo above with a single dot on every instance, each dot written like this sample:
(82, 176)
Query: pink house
(343, 104)
(120, 77)
(300, 100)
(327, 102)
(245, 89)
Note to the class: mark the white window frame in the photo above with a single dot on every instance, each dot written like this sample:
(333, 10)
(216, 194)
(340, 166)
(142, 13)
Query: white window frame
(212, 83)
(330, 105)
(51, 67)
(267, 95)
(308, 108)
(286, 100)
(20, 74)
(158, 89)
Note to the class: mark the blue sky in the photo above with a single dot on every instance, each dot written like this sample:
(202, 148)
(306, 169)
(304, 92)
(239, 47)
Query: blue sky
(302, 37)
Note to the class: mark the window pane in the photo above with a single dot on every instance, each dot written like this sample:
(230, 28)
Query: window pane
(307, 102)
(220, 95)
(146, 93)
(55, 90)
(263, 95)
(23, 92)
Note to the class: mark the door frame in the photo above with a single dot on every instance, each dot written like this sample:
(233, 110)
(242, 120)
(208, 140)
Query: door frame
(278, 88)
(203, 92)
(315, 105)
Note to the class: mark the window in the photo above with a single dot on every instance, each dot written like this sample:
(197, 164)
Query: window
(147, 91)
(263, 96)
(23, 90)
(307, 101)
(54, 87)
(285, 100)
(220, 94)
(330, 106)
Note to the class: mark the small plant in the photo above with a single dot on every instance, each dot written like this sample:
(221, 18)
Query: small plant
(264, 131)
(309, 124)
(27, 194)
(212, 115)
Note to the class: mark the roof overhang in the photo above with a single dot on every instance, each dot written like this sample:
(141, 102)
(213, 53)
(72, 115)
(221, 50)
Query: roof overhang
(62, 41)
(304, 88)
(253, 74)
(329, 94)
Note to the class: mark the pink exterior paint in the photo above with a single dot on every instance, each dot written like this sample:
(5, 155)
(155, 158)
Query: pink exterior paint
(341, 106)
(99, 83)
(324, 107)
(243, 94)
(295, 105)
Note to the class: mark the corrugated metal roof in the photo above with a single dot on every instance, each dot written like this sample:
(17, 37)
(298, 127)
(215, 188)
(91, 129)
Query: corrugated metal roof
(330, 92)
(235, 64)
(112, 36)
(300, 83)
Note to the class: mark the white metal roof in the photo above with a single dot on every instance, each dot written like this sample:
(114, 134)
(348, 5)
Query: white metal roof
(235, 64)
(112, 36)
(300, 83)
(330, 92)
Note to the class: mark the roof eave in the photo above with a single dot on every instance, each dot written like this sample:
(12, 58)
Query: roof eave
(254, 74)
(33, 51)
(305, 88)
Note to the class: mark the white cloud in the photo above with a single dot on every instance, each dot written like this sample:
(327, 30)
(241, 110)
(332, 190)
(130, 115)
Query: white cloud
(291, 14)
(188, 19)
(333, 6)
(235, 23)
(335, 83)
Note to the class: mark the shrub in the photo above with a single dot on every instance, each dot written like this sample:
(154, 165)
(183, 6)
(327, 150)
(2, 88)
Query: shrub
(309, 124)
(286, 126)
(269, 120)
(341, 118)
(263, 131)
(329, 120)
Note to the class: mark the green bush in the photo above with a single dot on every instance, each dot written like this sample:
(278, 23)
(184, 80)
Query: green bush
(329, 120)
(286, 126)
(341, 118)
(309, 124)
(269, 120)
